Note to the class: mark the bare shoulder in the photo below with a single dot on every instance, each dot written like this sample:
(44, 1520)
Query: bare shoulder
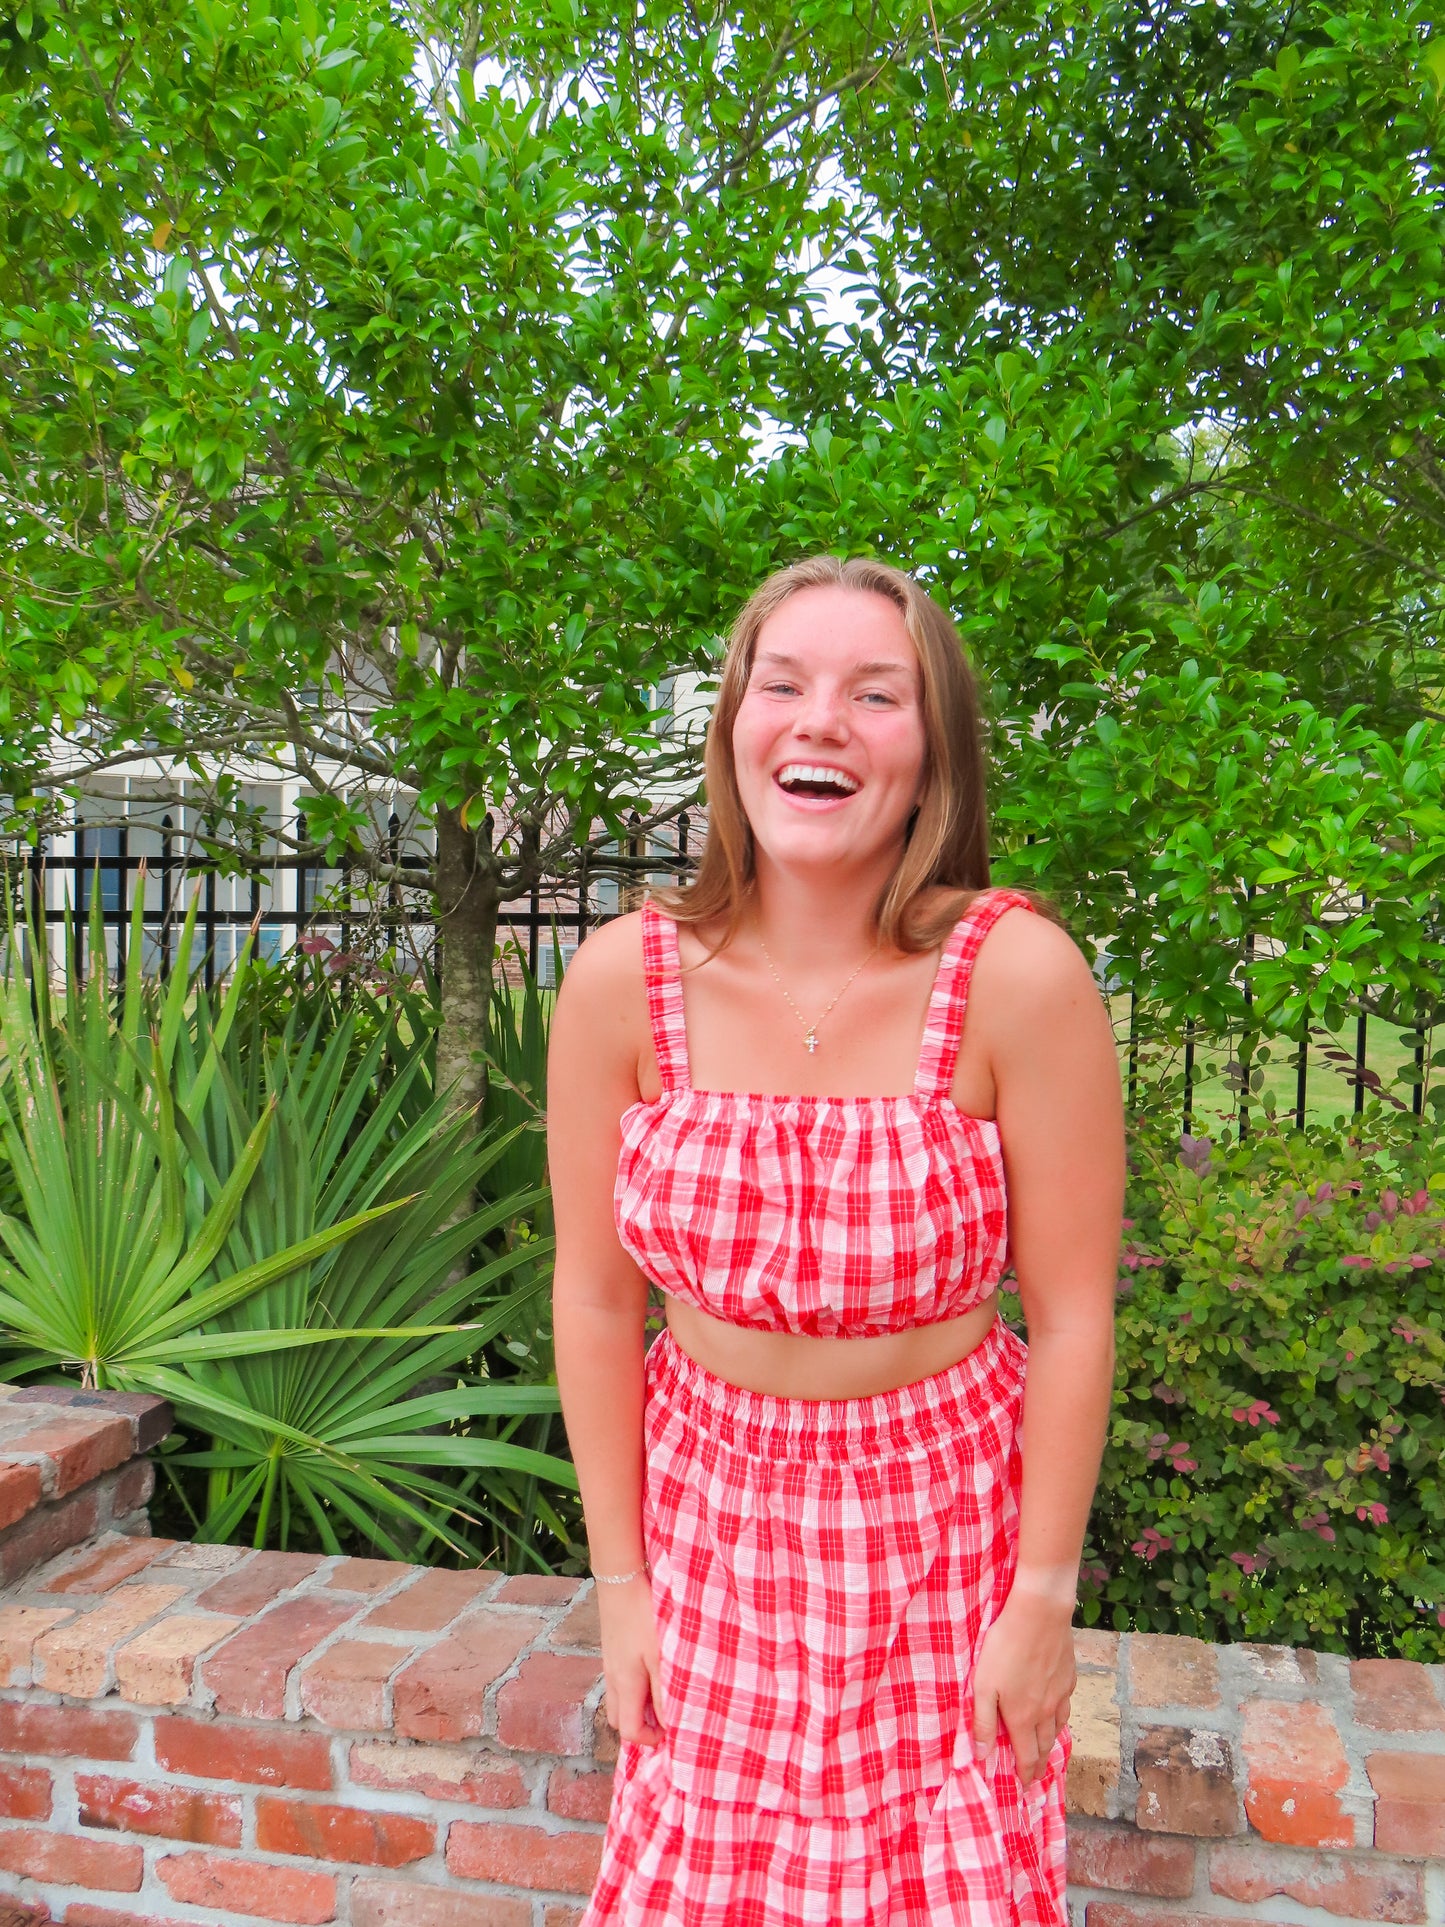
(600, 1019)
(1029, 971)
(607, 962)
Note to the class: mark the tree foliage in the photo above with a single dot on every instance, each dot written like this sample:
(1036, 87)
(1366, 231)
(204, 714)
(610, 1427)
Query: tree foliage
(402, 396)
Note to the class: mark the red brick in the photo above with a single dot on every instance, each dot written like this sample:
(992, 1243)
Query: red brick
(439, 1695)
(248, 1672)
(98, 1568)
(70, 1862)
(1395, 1696)
(151, 1416)
(24, 1913)
(1165, 1670)
(1273, 1665)
(47, 1530)
(19, 1492)
(287, 1894)
(359, 1835)
(1093, 1646)
(1295, 1766)
(82, 1914)
(79, 1449)
(1365, 1885)
(20, 1627)
(365, 1575)
(66, 1732)
(579, 1796)
(541, 1710)
(438, 1773)
(582, 1626)
(263, 1577)
(563, 1863)
(75, 1658)
(199, 1560)
(537, 1589)
(1131, 1863)
(174, 1813)
(1186, 1783)
(24, 1793)
(1410, 1802)
(433, 1602)
(130, 1489)
(387, 1903)
(1114, 1913)
(346, 1686)
(214, 1751)
(559, 1916)
(157, 1667)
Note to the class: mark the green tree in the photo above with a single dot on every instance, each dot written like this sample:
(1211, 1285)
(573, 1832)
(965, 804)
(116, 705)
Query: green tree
(403, 397)
(1149, 356)
(388, 431)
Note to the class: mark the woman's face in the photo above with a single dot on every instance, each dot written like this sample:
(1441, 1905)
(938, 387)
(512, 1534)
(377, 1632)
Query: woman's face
(829, 741)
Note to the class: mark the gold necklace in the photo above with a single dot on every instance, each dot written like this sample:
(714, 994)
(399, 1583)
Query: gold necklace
(810, 1031)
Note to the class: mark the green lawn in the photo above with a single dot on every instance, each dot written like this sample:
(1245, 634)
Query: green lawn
(1327, 1093)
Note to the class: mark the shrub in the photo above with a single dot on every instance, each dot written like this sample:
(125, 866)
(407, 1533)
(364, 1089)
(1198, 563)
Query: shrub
(1274, 1464)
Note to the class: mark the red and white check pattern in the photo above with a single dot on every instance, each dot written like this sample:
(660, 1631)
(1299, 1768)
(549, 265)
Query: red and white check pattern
(823, 1573)
(826, 1215)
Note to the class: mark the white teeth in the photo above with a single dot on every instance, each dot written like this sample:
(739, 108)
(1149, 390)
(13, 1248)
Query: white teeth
(817, 773)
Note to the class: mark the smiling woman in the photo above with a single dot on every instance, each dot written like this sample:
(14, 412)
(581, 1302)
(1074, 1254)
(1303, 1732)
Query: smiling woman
(835, 1595)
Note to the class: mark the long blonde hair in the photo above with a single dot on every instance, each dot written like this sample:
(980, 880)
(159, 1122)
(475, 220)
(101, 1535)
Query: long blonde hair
(948, 837)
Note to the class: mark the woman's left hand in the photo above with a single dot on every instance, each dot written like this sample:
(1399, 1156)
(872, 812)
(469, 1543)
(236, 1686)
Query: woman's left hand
(1024, 1677)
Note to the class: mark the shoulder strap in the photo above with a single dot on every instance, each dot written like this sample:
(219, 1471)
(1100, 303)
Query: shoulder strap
(943, 1026)
(664, 998)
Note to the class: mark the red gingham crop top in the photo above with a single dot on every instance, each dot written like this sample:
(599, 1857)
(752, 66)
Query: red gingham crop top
(828, 1216)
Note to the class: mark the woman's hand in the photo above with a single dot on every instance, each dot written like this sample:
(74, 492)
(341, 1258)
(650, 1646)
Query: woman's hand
(630, 1663)
(1023, 1677)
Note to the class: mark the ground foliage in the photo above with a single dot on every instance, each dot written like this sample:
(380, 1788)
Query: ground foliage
(1274, 1461)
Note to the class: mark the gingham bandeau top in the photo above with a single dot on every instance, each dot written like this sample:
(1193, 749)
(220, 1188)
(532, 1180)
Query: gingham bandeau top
(829, 1216)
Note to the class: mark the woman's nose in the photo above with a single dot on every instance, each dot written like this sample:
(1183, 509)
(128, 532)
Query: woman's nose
(822, 712)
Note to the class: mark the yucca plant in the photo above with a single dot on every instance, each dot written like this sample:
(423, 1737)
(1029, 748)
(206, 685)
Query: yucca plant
(255, 1229)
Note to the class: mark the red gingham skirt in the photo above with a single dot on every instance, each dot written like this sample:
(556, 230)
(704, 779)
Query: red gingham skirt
(823, 1572)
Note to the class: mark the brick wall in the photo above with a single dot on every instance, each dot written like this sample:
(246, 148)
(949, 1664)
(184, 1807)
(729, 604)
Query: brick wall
(198, 1734)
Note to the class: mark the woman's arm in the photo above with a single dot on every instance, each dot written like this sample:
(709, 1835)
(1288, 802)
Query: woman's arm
(600, 1298)
(1061, 1125)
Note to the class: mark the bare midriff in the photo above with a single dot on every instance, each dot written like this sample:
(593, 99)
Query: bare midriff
(790, 1365)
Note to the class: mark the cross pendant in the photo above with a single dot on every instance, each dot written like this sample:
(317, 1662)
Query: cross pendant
(810, 1043)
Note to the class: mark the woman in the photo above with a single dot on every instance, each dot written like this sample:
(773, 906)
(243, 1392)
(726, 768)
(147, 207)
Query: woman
(835, 1593)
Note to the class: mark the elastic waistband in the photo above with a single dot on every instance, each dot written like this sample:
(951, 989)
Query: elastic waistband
(929, 1409)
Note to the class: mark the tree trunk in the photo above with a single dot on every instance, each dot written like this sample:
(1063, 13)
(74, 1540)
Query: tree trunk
(467, 900)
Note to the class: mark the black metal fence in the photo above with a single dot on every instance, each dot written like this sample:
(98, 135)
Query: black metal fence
(55, 886)
(343, 899)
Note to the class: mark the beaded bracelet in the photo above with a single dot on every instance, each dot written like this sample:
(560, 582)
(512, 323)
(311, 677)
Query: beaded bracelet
(644, 1571)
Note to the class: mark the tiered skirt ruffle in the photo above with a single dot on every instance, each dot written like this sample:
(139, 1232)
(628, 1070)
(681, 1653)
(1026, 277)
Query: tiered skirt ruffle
(823, 1572)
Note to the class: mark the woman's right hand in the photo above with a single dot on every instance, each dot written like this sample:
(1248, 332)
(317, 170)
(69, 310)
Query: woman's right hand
(630, 1662)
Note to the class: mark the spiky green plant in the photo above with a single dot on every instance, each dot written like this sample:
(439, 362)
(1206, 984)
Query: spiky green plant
(266, 1230)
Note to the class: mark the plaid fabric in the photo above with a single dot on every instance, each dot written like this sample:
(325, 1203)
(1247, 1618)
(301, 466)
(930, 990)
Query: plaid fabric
(826, 1215)
(823, 1573)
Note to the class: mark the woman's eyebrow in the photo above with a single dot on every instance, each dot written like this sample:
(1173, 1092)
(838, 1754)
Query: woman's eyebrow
(775, 658)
